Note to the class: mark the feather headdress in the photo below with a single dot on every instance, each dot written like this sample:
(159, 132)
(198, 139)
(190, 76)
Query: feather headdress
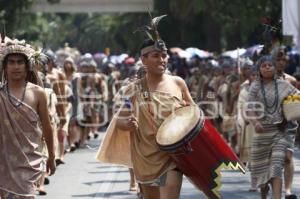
(153, 34)
(21, 47)
(15, 47)
(3, 34)
(38, 58)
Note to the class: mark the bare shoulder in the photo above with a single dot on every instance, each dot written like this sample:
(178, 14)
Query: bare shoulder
(102, 76)
(186, 96)
(179, 81)
(60, 74)
(37, 90)
(290, 79)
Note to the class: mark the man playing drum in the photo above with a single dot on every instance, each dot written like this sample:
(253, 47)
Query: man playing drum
(147, 103)
(161, 131)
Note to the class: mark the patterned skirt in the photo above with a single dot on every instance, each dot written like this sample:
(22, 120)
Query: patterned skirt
(267, 156)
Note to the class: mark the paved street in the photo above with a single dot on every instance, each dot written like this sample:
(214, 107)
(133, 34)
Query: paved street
(83, 177)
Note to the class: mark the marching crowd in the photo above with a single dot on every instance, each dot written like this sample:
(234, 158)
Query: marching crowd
(81, 92)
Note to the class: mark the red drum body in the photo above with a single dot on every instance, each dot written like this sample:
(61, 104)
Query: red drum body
(201, 152)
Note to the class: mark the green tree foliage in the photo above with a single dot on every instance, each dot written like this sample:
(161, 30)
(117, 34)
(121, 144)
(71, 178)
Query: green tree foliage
(11, 12)
(90, 33)
(217, 24)
(208, 24)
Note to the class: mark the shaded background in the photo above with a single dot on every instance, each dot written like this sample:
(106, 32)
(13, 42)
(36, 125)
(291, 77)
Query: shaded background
(213, 25)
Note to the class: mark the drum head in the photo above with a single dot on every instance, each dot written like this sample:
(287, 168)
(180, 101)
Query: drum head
(178, 125)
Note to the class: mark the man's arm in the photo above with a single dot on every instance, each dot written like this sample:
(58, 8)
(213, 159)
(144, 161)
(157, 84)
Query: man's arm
(104, 89)
(46, 128)
(126, 121)
(62, 82)
(102, 81)
(125, 118)
(185, 91)
(59, 89)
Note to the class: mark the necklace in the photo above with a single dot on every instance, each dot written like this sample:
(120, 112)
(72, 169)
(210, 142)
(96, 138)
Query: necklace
(271, 109)
(18, 102)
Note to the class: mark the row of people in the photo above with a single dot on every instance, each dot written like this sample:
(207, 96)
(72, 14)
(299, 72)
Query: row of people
(78, 97)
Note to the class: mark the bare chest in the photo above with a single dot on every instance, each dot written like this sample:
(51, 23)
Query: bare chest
(28, 97)
(31, 99)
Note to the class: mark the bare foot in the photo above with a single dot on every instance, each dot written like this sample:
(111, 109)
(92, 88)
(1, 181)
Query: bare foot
(133, 187)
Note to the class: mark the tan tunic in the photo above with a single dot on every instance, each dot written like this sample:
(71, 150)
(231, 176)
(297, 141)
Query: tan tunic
(148, 161)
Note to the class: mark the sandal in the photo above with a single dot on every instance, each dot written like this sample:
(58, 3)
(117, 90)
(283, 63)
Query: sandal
(292, 196)
(42, 193)
(46, 181)
(59, 161)
(133, 188)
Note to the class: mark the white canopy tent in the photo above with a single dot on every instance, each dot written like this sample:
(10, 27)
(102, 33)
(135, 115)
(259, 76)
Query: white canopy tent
(234, 54)
(291, 20)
